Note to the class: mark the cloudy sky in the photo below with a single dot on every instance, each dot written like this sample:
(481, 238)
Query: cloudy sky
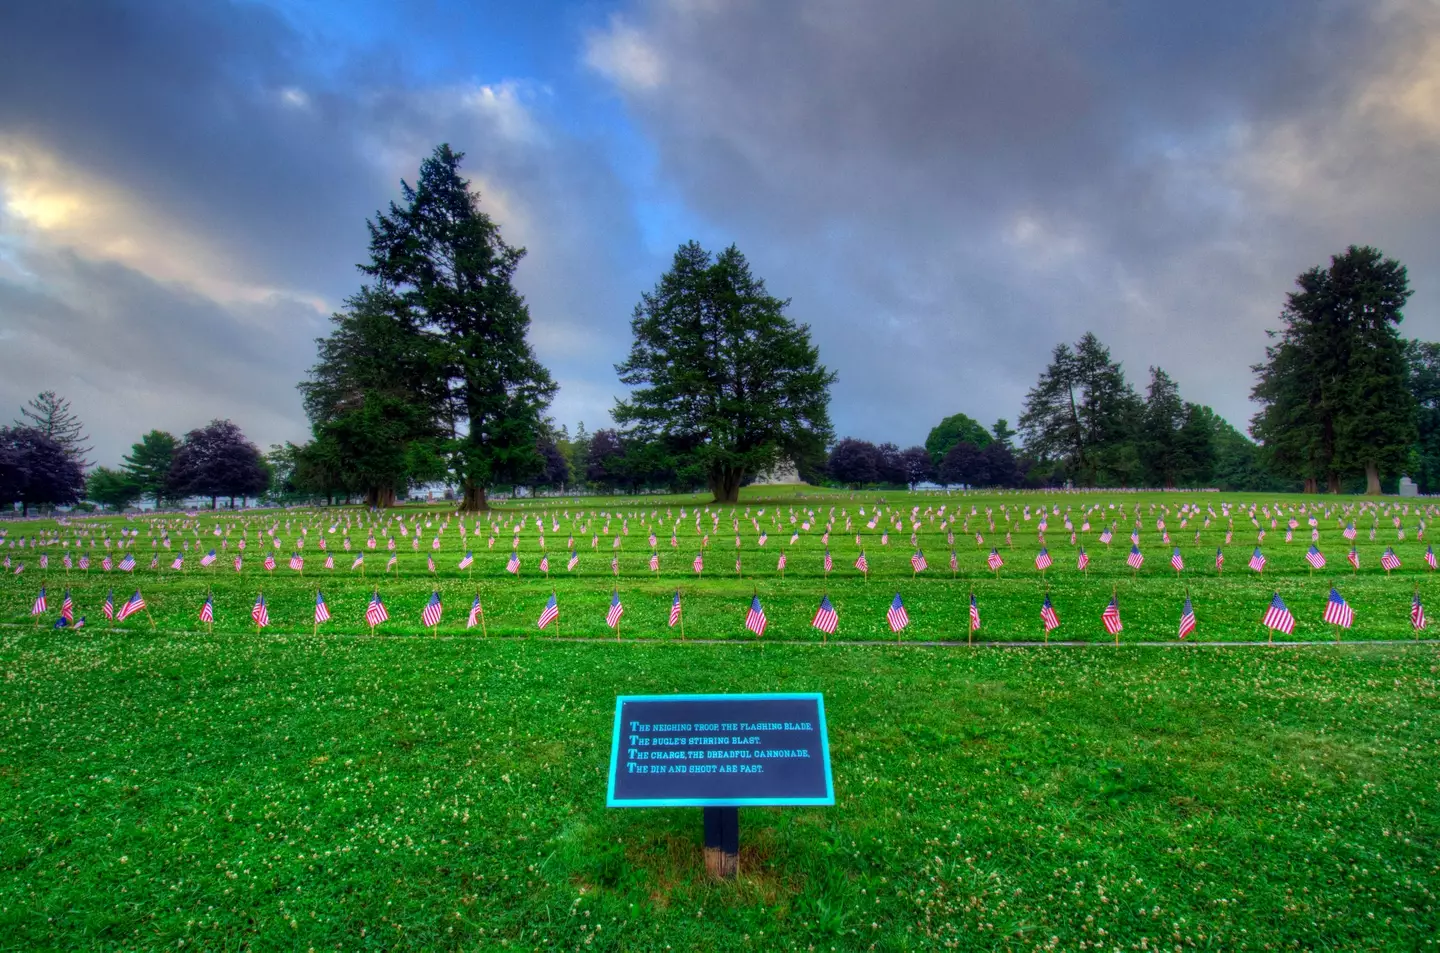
(944, 189)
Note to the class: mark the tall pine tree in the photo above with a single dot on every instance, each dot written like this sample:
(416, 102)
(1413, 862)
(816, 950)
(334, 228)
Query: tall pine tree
(722, 379)
(445, 260)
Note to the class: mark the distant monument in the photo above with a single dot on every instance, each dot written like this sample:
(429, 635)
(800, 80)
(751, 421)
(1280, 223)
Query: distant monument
(784, 473)
(1408, 487)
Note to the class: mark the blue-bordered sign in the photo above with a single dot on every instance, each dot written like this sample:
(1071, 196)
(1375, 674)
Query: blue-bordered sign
(719, 751)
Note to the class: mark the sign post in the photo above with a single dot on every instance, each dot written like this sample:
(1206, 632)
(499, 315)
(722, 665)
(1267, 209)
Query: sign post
(720, 753)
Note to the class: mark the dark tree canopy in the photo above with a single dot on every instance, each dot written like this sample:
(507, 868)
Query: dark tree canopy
(722, 378)
(555, 472)
(965, 464)
(917, 465)
(952, 430)
(1332, 390)
(1423, 382)
(36, 470)
(605, 460)
(217, 460)
(890, 465)
(854, 462)
(148, 464)
(447, 265)
(50, 414)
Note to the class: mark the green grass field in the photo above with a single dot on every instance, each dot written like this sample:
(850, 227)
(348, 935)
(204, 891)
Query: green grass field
(165, 787)
(1228, 604)
(288, 792)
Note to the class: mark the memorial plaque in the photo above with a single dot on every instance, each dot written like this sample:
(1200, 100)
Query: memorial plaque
(720, 751)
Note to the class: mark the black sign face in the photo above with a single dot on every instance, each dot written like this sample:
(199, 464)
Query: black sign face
(719, 751)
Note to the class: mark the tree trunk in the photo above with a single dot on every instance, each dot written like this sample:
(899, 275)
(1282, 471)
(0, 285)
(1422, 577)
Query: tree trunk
(726, 485)
(1372, 479)
(473, 499)
(1311, 485)
(1332, 482)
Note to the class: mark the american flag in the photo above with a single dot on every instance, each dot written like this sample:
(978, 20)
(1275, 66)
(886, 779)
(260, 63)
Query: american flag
(431, 614)
(1278, 617)
(572, 561)
(1134, 560)
(654, 561)
(178, 562)
(974, 614)
(993, 560)
(1257, 560)
(825, 618)
(1106, 536)
(615, 565)
(617, 609)
(829, 562)
(1388, 559)
(467, 559)
(108, 609)
(513, 563)
(675, 609)
(155, 561)
(1048, 616)
(1417, 612)
(1082, 559)
(699, 563)
(322, 611)
(1315, 558)
(1219, 559)
(550, 613)
(390, 563)
(755, 617)
(132, 605)
(1187, 619)
(430, 563)
(1350, 531)
(954, 562)
(1042, 559)
(39, 607)
(1353, 558)
(269, 562)
(259, 613)
(917, 561)
(375, 612)
(207, 611)
(1177, 562)
(297, 562)
(1338, 611)
(780, 563)
(896, 615)
(128, 563)
(1111, 616)
(545, 563)
(359, 561)
(208, 558)
(1430, 557)
(84, 562)
(67, 608)
(474, 617)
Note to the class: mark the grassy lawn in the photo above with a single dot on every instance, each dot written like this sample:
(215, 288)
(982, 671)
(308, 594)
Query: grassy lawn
(1228, 604)
(290, 792)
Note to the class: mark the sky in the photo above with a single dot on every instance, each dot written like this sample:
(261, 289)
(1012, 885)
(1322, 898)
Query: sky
(944, 191)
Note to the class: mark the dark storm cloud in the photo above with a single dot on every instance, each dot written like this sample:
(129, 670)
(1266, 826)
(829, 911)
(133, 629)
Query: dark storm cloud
(187, 194)
(947, 189)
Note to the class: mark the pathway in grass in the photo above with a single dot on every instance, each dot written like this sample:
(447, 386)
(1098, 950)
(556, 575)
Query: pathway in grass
(418, 794)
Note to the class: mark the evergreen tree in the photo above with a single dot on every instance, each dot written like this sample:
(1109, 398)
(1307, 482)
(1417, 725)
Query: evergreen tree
(50, 414)
(1333, 390)
(445, 260)
(722, 378)
(1084, 414)
(1165, 463)
(1423, 382)
(1003, 433)
(148, 464)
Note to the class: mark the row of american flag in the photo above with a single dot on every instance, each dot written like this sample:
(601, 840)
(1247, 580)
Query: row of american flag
(1277, 616)
(1314, 558)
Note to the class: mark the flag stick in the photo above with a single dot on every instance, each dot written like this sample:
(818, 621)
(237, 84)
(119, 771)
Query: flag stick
(483, 633)
(1114, 592)
(970, 629)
